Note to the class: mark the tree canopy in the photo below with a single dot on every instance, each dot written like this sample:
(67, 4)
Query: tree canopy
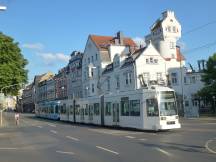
(209, 78)
(12, 65)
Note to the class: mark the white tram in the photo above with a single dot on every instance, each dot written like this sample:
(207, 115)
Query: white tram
(144, 109)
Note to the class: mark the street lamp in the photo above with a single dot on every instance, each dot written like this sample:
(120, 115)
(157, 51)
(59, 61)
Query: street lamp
(3, 8)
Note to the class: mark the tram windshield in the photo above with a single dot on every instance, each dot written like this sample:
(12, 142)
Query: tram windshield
(167, 103)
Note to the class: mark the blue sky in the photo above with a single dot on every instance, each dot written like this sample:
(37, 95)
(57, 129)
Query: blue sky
(49, 30)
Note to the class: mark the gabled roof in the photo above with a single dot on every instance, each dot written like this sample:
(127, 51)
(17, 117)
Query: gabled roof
(103, 42)
(157, 24)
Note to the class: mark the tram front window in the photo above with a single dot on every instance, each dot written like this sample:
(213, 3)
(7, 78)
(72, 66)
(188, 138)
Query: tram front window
(167, 103)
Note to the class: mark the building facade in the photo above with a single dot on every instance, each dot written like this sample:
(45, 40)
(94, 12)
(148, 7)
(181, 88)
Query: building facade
(74, 75)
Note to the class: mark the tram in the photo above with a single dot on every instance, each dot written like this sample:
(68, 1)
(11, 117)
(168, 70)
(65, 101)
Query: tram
(144, 109)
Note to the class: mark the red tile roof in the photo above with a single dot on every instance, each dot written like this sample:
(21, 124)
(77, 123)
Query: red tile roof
(102, 42)
(179, 56)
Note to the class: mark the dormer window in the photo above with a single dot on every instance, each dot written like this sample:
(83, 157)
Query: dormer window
(155, 61)
(151, 60)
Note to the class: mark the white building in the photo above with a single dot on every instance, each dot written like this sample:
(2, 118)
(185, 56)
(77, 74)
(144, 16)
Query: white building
(99, 52)
(165, 33)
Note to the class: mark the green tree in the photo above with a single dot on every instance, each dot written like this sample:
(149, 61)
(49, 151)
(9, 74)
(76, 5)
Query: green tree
(12, 65)
(209, 78)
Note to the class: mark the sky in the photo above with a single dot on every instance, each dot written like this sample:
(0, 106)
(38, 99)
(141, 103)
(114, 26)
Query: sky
(49, 30)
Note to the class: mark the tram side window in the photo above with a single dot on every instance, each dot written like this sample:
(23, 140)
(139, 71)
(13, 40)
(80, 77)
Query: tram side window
(63, 109)
(56, 109)
(135, 108)
(52, 109)
(124, 107)
(108, 109)
(152, 107)
(71, 109)
(86, 109)
(96, 109)
(77, 110)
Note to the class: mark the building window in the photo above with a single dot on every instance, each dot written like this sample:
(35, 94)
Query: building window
(108, 84)
(108, 109)
(155, 61)
(89, 60)
(193, 80)
(124, 106)
(151, 60)
(147, 61)
(146, 77)
(174, 29)
(117, 82)
(174, 78)
(172, 45)
(128, 78)
(92, 72)
(185, 80)
(152, 107)
(92, 59)
(96, 56)
(169, 28)
(159, 76)
(135, 108)
(186, 103)
(92, 88)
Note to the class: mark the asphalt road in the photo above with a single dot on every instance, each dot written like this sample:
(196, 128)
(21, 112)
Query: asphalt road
(36, 140)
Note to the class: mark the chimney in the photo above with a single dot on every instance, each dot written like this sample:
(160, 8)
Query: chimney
(168, 13)
(120, 37)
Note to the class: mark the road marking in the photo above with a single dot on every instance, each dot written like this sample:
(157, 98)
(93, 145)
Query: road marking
(163, 151)
(8, 148)
(143, 139)
(51, 125)
(208, 148)
(53, 131)
(39, 126)
(63, 152)
(73, 138)
(105, 149)
(131, 137)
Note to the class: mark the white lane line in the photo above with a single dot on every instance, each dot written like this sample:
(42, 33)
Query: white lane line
(131, 137)
(208, 148)
(72, 138)
(53, 131)
(143, 139)
(63, 152)
(8, 148)
(163, 151)
(51, 125)
(105, 149)
(39, 126)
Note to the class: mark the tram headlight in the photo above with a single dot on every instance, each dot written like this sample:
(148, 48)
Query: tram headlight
(163, 118)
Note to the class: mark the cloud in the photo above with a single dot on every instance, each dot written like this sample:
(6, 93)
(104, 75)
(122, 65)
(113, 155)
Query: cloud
(34, 46)
(139, 41)
(51, 59)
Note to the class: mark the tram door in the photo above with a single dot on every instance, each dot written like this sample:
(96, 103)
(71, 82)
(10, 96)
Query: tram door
(102, 110)
(67, 113)
(115, 113)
